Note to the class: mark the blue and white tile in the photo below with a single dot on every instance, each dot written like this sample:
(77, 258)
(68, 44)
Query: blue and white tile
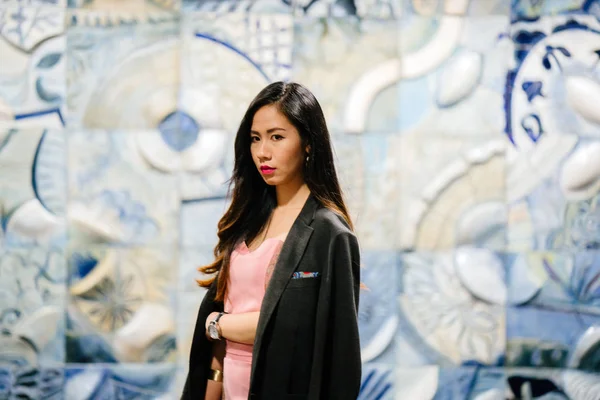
(555, 204)
(114, 195)
(226, 61)
(190, 260)
(33, 192)
(122, 305)
(121, 382)
(32, 72)
(435, 383)
(103, 13)
(534, 341)
(40, 383)
(565, 282)
(123, 77)
(377, 382)
(364, 9)
(188, 304)
(451, 74)
(539, 383)
(378, 308)
(452, 308)
(199, 220)
(553, 131)
(456, 198)
(32, 301)
(368, 174)
(34, 3)
(371, 9)
(532, 9)
(224, 7)
(361, 96)
(460, 8)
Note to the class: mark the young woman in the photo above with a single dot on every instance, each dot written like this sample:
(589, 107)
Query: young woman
(279, 320)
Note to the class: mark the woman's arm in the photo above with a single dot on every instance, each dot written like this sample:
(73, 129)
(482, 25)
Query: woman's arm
(239, 328)
(214, 390)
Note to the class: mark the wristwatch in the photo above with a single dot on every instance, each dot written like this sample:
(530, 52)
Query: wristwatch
(213, 330)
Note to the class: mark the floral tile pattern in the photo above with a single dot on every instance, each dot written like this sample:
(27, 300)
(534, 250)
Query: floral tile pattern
(121, 302)
(451, 308)
(466, 135)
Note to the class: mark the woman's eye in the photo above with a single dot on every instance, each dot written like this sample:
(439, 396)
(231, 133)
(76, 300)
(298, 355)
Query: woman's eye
(277, 137)
(254, 138)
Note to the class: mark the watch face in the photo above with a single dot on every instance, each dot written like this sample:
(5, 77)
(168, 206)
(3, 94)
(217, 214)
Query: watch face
(213, 332)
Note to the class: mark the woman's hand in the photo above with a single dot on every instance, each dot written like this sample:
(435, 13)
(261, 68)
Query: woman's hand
(239, 328)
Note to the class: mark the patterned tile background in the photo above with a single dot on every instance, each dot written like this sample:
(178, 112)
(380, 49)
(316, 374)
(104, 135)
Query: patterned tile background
(467, 134)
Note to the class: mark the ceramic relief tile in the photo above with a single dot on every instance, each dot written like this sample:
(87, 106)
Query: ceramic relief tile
(554, 202)
(558, 281)
(459, 8)
(124, 77)
(114, 196)
(366, 9)
(34, 3)
(120, 382)
(456, 197)
(531, 9)
(377, 382)
(432, 382)
(223, 7)
(32, 285)
(33, 187)
(191, 259)
(373, 9)
(378, 308)
(32, 72)
(552, 176)
(533, 342)
(43, 383)
(539, 383)
(110, 13)
(225, 62)
(451, 307)
(451, 73)
(366, 167)
(199, 222)
(121, 306)
(361, 96)
(188, 304)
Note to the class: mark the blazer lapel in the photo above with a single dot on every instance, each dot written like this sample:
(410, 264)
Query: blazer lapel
(290, 256)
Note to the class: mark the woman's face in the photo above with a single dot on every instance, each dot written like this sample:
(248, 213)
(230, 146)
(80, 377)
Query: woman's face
(276, 147)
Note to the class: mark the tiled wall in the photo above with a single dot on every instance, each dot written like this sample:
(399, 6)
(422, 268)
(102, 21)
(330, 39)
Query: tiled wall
(467, 135)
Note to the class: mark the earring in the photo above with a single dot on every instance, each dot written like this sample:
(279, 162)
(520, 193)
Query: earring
(307, 158)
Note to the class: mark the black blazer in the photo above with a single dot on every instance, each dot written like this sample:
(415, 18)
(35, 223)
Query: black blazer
(307, 344)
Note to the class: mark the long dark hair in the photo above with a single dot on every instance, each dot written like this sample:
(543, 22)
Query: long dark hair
(253, 200)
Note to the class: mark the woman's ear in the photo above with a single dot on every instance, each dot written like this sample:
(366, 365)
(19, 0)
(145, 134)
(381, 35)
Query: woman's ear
(307, 149)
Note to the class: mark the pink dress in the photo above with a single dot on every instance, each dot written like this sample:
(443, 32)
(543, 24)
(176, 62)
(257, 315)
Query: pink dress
(249, 273)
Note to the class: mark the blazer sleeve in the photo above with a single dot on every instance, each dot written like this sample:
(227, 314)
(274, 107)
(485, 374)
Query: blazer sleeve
(342, 363)
(201, 349)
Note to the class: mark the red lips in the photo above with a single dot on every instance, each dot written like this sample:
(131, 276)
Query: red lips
(265, 169)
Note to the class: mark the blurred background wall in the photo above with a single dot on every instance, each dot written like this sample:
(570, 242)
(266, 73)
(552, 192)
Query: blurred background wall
(467, 135)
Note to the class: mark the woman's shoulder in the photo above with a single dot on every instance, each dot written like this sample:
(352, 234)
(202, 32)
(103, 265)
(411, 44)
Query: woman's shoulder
(330, 222)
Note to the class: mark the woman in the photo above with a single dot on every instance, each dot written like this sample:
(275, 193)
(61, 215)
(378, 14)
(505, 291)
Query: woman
(283, 305)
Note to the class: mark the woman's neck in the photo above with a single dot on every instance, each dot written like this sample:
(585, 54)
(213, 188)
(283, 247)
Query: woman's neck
(292, 197)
